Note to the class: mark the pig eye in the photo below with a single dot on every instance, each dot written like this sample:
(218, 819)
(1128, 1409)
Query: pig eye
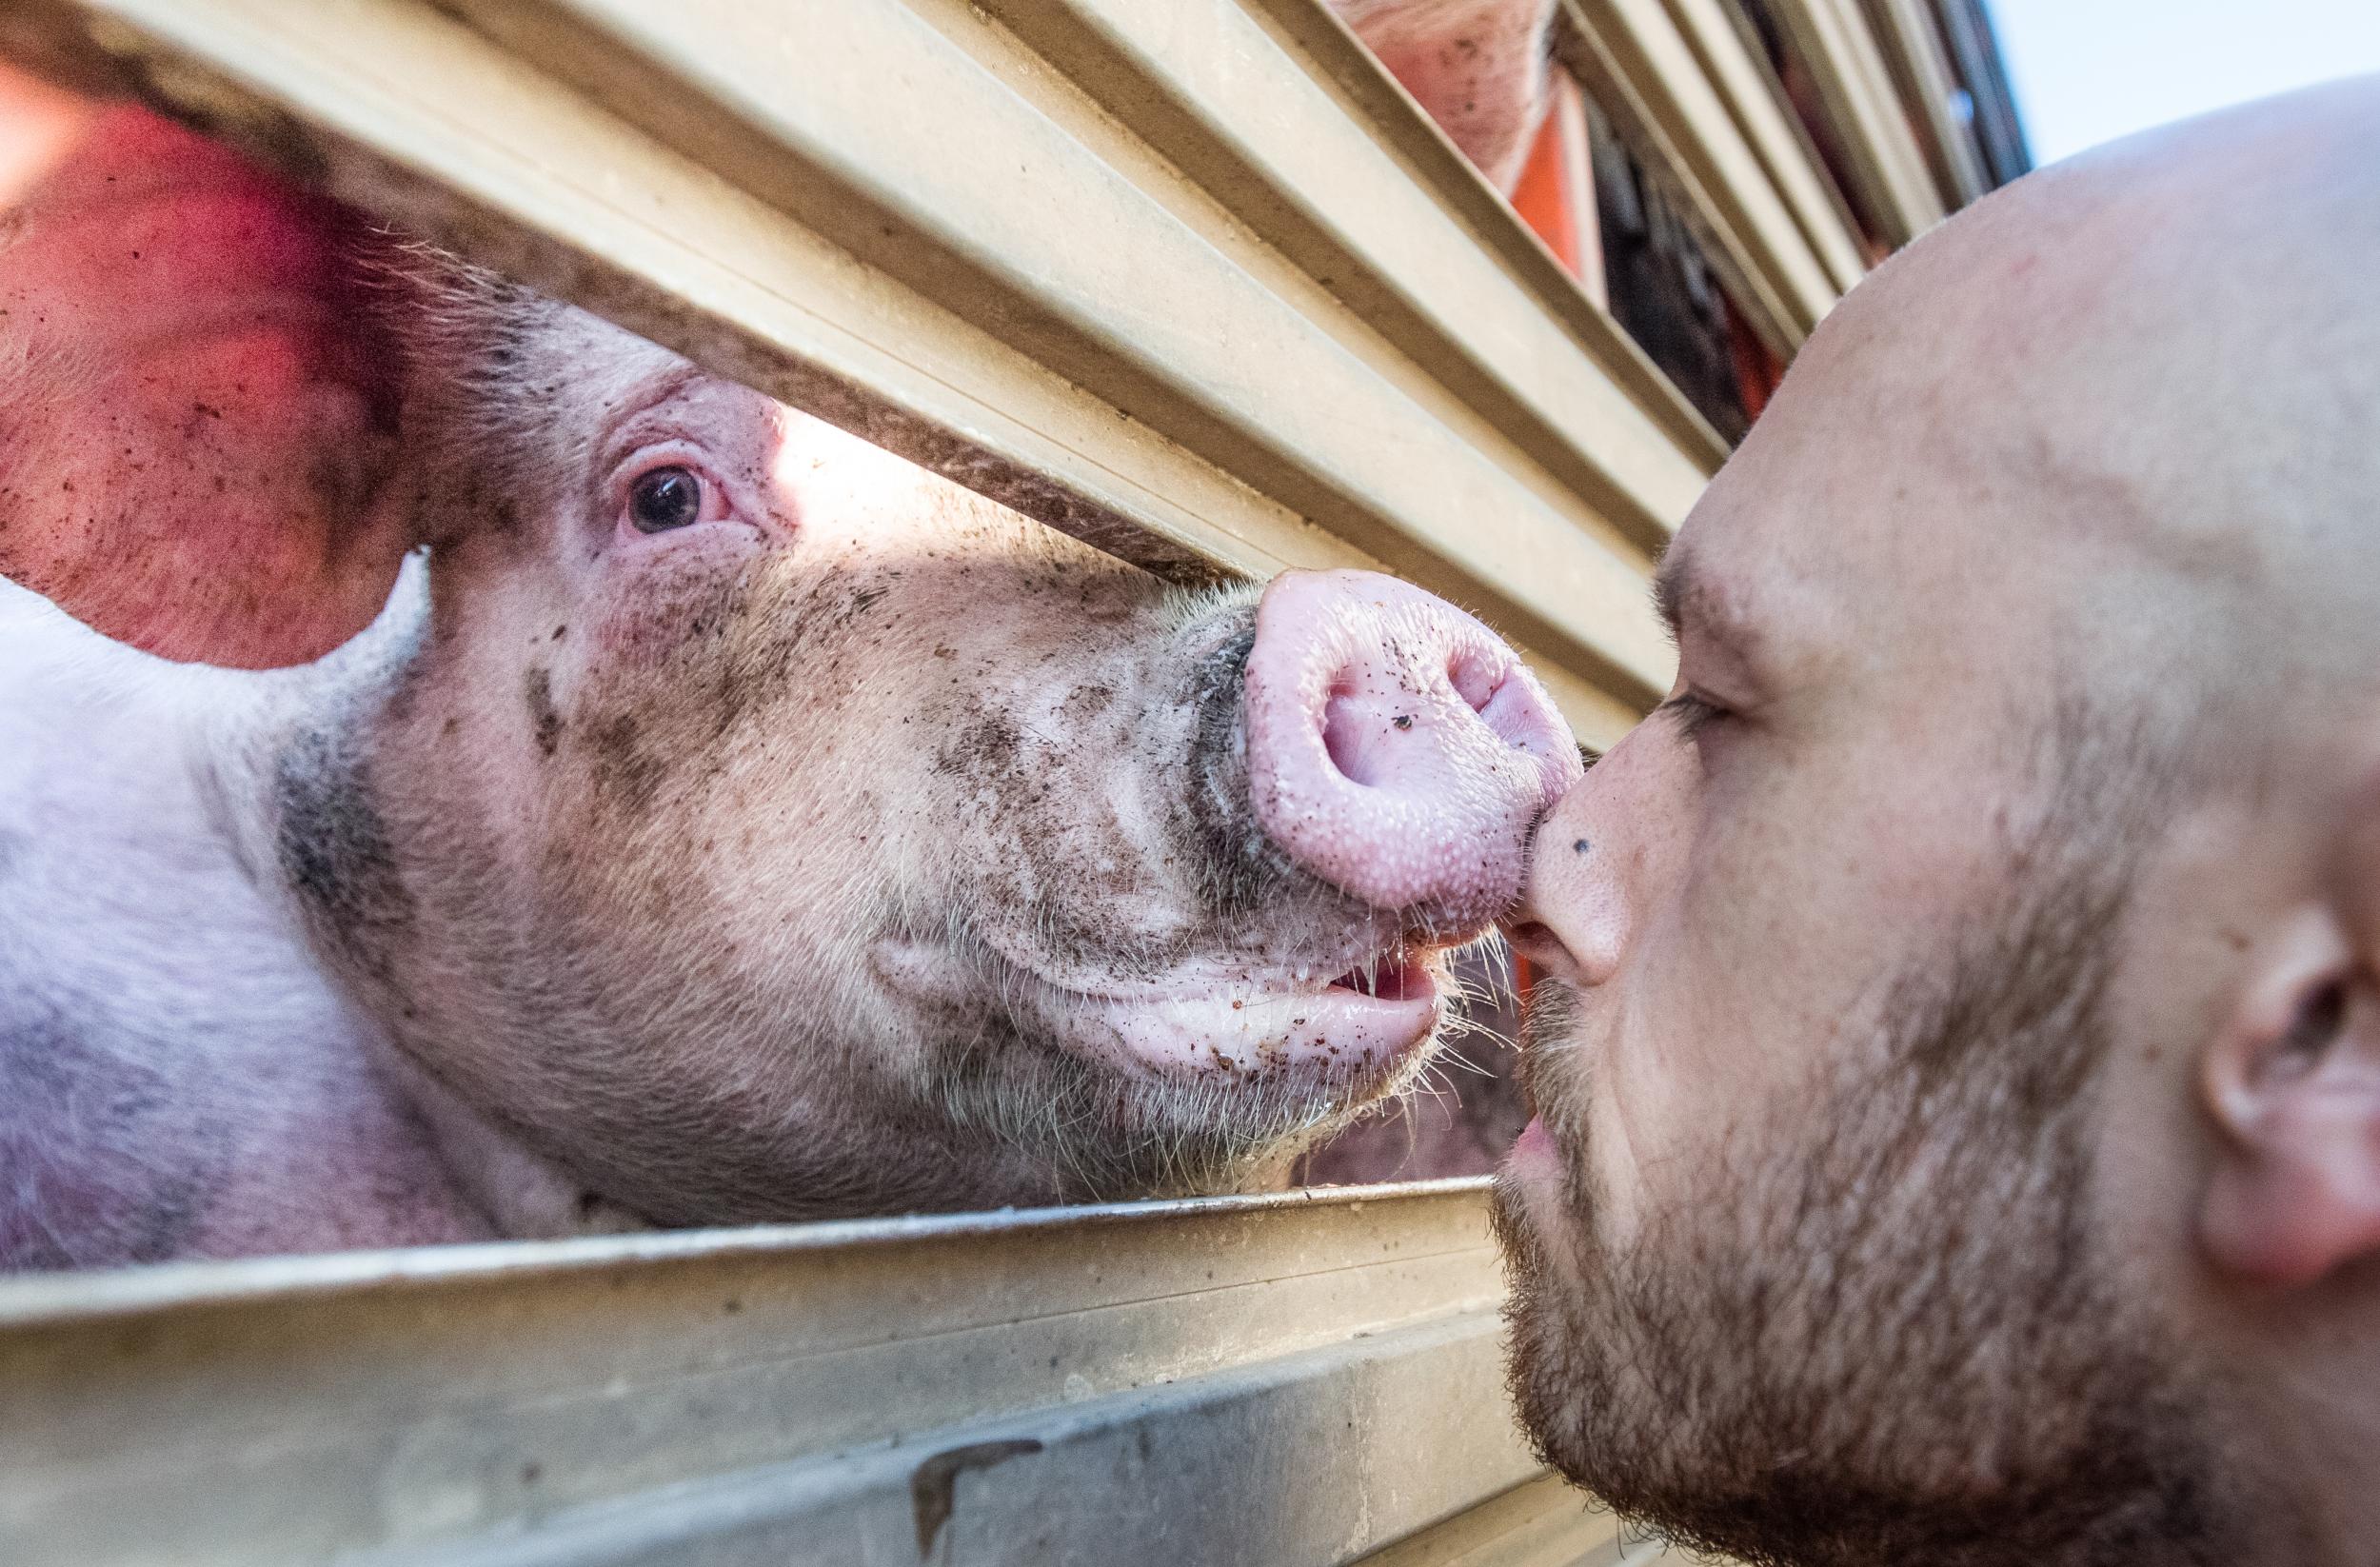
(664, 499)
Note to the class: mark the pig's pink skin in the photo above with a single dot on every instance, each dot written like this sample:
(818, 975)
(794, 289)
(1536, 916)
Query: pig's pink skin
(184, 389)
(1478, 67)
(176, 1078)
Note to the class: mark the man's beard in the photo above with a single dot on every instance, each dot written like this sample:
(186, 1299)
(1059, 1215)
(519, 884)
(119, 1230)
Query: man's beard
(1885, 1329)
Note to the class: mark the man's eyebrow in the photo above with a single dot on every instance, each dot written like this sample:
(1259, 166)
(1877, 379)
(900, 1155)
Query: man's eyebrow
(1673, 584)
(1685, 594)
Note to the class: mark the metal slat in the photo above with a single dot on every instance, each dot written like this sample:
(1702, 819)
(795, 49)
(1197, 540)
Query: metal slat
(1019, 290)
(1213, 1473)
(1306, 1377)
(1541, 1523)
(1375, 102)
(1634, 101)
(1967, 31)
(1683, 126)
(1914, 54)
(1739, 71)
(1888, 168)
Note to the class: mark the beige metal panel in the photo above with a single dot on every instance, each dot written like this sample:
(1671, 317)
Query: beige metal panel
(1196, 82)
(1267, 1464)
(1541, 1523)
(1234, 111)
(1375, 99)
(1296, 1379)
(1642, 68)
(1740, 75)
(1920, 69)
(1014, 290)
(1888, 170)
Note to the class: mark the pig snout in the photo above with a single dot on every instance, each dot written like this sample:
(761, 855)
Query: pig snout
(1397, 748)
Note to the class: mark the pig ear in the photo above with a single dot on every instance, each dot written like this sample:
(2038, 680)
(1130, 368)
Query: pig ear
(192, 428)
(1478, 67)
(169, 563)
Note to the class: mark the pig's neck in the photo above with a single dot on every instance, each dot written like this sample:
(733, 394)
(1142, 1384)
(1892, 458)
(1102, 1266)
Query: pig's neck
(521, 1194)
(525, 1195)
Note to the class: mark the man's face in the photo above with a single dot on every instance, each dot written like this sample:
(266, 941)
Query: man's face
(1811, 1247)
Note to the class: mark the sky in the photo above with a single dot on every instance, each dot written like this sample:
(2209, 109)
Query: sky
(2088, 71)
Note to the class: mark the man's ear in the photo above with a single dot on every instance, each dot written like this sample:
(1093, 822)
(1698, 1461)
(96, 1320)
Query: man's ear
(2293, 1085)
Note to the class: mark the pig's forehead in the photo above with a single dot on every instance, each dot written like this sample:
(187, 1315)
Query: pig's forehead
(463, 325)
(510, 374)
(509, 363)
(566, 357)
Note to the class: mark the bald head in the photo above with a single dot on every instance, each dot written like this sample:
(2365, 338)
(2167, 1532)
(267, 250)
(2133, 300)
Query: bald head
(1959, 1069)
(2160, 361)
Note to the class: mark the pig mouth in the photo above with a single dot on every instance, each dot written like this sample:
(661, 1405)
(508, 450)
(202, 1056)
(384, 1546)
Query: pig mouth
(1357, 1027)
(1207, 1020)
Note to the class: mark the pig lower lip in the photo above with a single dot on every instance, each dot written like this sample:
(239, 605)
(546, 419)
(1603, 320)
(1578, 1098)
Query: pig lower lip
(1215, 1028)
(1335, 1028)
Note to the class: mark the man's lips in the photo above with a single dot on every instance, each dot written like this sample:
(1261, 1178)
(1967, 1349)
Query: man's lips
(1535, 1155)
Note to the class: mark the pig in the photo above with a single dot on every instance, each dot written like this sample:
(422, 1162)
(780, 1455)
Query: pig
(467, 772)
(1479, 68)
(1463, 1111)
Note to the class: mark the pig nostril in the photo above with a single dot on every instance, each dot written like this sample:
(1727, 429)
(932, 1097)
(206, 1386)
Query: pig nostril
(1396, 750)
(1475, 679)
(1515, 718)
(1351, 749)
(1503, 704)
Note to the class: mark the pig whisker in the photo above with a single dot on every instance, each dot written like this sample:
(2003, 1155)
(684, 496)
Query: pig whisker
(1448, 1058)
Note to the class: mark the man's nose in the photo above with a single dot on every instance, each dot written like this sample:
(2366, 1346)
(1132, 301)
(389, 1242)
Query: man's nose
(1600, 858)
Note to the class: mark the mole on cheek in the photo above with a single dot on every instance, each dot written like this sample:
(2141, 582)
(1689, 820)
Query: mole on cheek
(1578, 847)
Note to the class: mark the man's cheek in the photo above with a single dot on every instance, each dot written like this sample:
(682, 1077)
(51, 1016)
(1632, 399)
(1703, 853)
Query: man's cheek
(1635, 1112)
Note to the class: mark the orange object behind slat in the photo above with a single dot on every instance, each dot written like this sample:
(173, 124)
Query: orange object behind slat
(1555, 196)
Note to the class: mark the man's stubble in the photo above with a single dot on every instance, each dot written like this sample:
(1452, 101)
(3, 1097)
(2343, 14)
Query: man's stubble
(1900, 1338)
